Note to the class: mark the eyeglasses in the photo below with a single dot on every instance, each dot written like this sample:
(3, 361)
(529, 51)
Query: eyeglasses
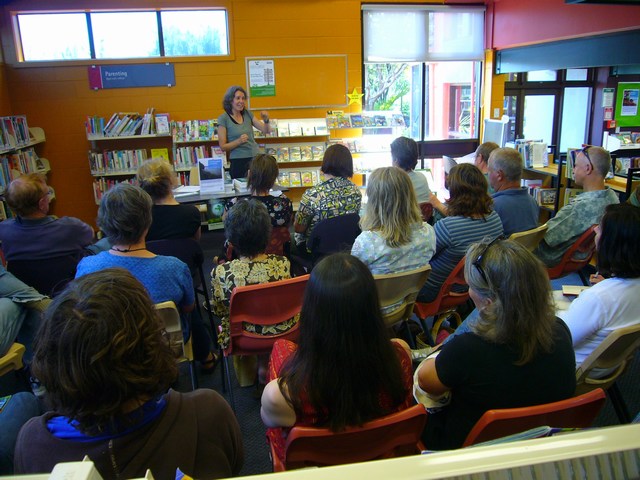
(585, 152)
(478, 261)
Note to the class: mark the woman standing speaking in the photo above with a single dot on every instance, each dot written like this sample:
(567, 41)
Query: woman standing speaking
(235, 130)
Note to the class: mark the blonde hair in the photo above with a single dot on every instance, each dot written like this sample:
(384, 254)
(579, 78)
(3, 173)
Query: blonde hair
(522, 313)
(156, 177)
(392, 207)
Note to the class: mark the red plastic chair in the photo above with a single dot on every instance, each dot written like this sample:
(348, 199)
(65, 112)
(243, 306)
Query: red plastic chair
(446, 301)
(262, 304)
(576, 412)
(577, 257)
(394, 435)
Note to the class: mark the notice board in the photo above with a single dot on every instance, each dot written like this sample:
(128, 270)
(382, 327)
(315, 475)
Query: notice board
(304, 81)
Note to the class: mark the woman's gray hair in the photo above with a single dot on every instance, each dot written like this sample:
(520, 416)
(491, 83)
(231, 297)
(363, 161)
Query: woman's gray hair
(124, 214)
(248, 227)
(228, 97)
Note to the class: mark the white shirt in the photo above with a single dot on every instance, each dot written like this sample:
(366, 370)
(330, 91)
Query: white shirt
(611, 304)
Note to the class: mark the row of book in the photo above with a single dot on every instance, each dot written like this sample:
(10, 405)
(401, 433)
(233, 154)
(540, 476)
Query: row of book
(19, 163)
(194, 130)
(627, 138)
(303, 128)
(302, 153)
(14, 132)
(623, 164)
(185, 157)
(534, 153)
(128, 124)
(337, 119)
(307, 178)
(102, 184)
(116, 161)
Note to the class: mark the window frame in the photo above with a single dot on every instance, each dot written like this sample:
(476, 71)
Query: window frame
(19, 60)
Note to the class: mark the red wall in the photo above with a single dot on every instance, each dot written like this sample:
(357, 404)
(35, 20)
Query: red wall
(521, 22)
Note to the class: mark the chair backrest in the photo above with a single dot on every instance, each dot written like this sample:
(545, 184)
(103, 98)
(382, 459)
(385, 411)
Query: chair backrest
(446, 299)
(334, 234)
(263, 304)
(575, 412)
(399, 290)
(612, 355)
(530, 238)
(394, 435)
(170, 318)
(577, 256)
(12, 360)
(426, 209)
(49, 276)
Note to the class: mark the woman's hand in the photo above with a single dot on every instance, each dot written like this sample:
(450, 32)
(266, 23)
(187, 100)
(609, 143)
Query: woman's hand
(264, 116)
(244, 138)
(595, 278)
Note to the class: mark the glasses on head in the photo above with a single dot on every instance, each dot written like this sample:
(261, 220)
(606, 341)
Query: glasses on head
(585, 152)
(478, 261)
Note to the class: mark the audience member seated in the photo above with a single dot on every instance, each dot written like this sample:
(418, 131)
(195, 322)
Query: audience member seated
(170, 219)
(18, 408)
(263, 173)
(106, 365)
(590, 167)
(124, 216)
(483, 152)
(335, 376)
(634, 198)
(404, 153)
(613, 302)
(394, 238)
(21, 307)
(247, 228)
(335, 196)
(517, 353)
(470, 219)
(33, 234)
(517, 209)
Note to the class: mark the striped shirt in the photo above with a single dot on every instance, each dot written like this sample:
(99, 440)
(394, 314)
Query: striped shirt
(453, 237)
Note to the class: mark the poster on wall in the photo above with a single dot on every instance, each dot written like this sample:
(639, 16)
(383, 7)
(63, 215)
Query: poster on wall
(627, 114)
(262, 78)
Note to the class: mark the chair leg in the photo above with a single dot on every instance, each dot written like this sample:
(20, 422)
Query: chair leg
(225, 359)
(410, 338)
(618, 404)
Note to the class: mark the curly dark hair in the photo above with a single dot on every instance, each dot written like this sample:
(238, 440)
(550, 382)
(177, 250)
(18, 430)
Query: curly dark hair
(100, 347)
(468, 192)
(248, 227)
(228, 97)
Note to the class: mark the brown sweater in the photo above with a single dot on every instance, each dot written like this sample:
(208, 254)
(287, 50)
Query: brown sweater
(197, 433)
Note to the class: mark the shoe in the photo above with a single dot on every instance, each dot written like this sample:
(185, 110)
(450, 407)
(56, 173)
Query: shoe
(208, 366)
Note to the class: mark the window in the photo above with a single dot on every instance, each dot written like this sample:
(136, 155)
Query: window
(430, 73)
(131, 34)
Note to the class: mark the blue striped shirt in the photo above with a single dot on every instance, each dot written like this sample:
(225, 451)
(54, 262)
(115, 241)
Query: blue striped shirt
(453, 237)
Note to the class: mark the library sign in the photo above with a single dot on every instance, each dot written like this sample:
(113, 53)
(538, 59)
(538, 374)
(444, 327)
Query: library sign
(131, 76)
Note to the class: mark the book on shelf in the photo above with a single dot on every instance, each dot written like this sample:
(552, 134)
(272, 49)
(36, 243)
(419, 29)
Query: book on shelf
(635, 137)
(317, 152)
(160, 153)
(356, 121)
(380, 120)
(321, 130)
(283, 154)
(295, 179)
(306, 155)
(308, 130)
(306, 179)
(344, 121)
(397, 120)
(8, 127)
(22, 130)
(546, 196)
(295, 130)
(367, 121)
(271, 151)
(283, 179)
(570, 195)
(162, 123)
(295, 154)
(283, 130)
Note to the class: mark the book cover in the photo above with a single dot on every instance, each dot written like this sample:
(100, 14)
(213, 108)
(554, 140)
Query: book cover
(22, 129)
(294, 154)
(367, 121)
(283, 154)
(397, 120)
(570, 195)
(160, 153)
(295, 179)
(162, 123)
(308, 130)
(314, 177)
(9, 131)
(344, 121)
(380, 121)
(546, 196)
(283, 179)
(283, 130)
(356, 121)
(271, 151)
(306, 179)
(317, 152)
(203, 130)
(306, 155)
(295, 130)
(635, 137)
(321, 130)
(332, 121)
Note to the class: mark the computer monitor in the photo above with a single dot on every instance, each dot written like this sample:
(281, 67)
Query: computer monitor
(496, 130)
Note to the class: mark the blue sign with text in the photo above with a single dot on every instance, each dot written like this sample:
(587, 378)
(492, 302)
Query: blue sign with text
(131, 76)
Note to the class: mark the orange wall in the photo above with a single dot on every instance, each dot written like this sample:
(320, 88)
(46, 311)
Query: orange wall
(57, 98)
(521, 22)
